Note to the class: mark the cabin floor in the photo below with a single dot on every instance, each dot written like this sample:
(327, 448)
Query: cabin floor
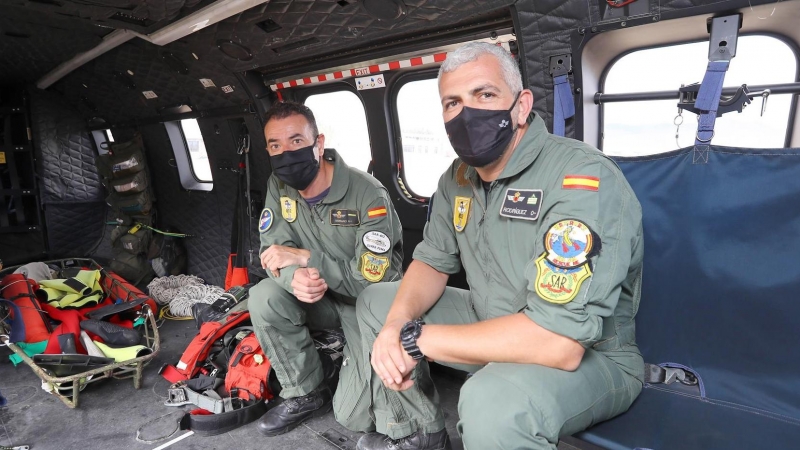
(111, 412)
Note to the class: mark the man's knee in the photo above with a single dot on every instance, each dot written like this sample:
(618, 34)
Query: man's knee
(495, 413)
(374, 303)
(268, 302)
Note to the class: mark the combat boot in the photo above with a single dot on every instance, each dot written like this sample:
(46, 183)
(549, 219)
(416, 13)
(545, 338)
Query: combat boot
(296, 410)
(417, 441)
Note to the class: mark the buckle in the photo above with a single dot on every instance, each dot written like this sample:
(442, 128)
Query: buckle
(667, 375)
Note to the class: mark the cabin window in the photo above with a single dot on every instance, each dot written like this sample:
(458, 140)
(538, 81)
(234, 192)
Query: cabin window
(341, 118)
(427, 152)
(647, 127)
(190, 153)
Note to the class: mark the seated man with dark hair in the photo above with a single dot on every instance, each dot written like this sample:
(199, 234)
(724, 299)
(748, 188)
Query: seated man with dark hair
(327, 232)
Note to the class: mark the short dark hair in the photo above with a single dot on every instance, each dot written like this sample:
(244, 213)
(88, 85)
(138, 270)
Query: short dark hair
(282, 110)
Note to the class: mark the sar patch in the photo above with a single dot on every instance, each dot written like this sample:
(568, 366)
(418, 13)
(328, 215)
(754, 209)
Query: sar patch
(373, 267)
(376, 241)
(265, 221)
(522, 204)
(568, 243)
(559, 285)
(345, 217)
(461, 212)
(289, 209)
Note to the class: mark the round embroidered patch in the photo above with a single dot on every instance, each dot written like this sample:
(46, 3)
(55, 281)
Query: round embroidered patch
(376, 241)
(265, 221)
(568, 242)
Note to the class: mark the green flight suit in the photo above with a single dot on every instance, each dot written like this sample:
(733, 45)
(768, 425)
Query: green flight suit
(557, 199)
(355, 239)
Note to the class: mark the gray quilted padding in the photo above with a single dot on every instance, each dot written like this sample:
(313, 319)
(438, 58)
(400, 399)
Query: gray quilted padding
(65, 152)
(74, 229)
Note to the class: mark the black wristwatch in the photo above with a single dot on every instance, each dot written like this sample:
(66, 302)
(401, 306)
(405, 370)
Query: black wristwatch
(408, 338)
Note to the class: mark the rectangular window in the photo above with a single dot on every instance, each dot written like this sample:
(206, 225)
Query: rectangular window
(341, 118)
(197, 150)
(649, 127)
(427, 152)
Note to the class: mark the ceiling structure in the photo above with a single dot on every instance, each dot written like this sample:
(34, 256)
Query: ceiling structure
(280, 37)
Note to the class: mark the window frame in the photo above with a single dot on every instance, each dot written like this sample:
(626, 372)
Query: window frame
(303, 94)
(183, 159)
(430, 73)
(792, 108)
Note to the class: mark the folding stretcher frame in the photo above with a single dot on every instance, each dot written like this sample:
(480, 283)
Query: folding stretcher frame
(119, 370)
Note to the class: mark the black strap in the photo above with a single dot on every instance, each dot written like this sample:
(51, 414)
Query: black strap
(655, 374)
(212, 425)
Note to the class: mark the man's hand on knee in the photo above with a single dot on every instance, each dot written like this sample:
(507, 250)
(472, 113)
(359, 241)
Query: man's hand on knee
(276, 257)
(389, 360)
(308, 286)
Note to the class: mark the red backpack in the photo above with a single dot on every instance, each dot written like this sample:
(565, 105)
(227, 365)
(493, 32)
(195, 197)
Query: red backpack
(248, 369)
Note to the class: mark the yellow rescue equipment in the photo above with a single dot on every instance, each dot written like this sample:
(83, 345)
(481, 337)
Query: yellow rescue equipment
(72, 293)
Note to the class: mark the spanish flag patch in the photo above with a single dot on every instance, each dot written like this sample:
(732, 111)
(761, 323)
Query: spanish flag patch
(380, 211)
(583, 182)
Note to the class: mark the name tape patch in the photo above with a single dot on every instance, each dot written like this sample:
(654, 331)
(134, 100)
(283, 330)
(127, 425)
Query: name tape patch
(345, 217)
(522, 204)
(376, 242)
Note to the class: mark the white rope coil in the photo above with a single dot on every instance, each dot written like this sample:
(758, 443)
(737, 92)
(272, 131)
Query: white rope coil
(181, 305)
(164, 289)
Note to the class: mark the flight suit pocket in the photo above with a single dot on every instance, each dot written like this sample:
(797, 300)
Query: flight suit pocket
(353, 397)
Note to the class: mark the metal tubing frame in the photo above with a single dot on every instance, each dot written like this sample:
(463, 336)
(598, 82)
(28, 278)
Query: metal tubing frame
(775, 89)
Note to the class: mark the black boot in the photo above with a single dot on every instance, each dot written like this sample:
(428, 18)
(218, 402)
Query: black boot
(296, 410)
(417, 441)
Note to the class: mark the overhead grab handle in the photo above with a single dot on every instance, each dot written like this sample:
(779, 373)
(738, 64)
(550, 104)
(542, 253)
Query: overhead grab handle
(563, 102)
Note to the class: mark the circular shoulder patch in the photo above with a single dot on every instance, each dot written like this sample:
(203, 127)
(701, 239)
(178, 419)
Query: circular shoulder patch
(376, 241)
(568, 242)
(265, 221)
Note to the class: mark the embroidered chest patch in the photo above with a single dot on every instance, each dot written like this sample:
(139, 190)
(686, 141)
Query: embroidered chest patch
(289, 209)
(461, 212)
(568, 243)
(345, 217)
(522, 204)
(373, 267)
(559, 285)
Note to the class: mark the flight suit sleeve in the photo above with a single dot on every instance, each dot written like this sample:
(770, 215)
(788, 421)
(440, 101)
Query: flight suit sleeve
(278, 232)
(439, 248)
(378, 256)
(574, 302)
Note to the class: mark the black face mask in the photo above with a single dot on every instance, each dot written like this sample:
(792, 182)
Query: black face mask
(296, 168)
(480, 136)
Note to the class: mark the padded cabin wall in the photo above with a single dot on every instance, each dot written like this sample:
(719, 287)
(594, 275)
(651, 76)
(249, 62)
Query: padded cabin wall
(207, 216)
(71, 193)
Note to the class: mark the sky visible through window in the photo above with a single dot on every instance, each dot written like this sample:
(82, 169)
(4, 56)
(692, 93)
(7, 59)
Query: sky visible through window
(642, 128)
(197, 149)
(341, 118)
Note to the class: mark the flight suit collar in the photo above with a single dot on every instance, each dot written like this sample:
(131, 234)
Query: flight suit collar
(525, 154)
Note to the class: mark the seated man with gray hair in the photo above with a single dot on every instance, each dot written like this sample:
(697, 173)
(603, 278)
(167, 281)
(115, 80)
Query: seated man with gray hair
(549, 233)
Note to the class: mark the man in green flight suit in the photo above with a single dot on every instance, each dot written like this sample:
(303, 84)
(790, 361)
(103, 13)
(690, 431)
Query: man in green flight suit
(327, 232)
(549, 234)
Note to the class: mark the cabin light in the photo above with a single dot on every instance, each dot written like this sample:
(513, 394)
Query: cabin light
(195, 56)
(130, 72)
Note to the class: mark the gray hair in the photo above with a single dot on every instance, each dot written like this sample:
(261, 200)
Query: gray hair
(474, 50)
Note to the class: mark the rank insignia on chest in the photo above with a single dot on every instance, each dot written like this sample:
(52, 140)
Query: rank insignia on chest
(373, 267)
(559, 285)
(345, 217)
(265, 221)
(568, 243)
(522, 204)
(289, 209)
(461, 212)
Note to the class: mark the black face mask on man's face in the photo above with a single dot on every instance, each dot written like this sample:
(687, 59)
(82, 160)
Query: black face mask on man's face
(296, 168)
(480, 136)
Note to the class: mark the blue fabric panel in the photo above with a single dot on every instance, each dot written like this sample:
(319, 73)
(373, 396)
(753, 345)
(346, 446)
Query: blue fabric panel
(721, 287)
(563, 103)
(661, 420)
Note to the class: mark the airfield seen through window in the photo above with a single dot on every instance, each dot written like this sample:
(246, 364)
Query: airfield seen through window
(647, 127)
